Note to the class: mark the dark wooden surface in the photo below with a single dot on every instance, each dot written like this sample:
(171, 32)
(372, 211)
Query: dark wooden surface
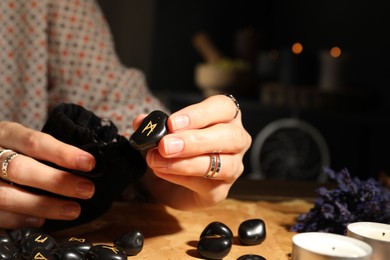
(276, 190)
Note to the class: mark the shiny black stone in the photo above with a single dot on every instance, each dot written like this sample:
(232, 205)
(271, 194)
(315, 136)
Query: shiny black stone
(131, 243)
(41, 253)
(106, 252)
(68, 254)
(217, 228)
(20, 233)
(4, 237)
(252, 232)
(79, 244)
(214, 247)
(8, 251)
(150, 132)
(251, 257)
(28, 244)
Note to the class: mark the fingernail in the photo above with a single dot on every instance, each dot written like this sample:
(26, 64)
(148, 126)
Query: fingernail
(156, 160)
(173, 145)
(34, 221)
(85, 189)
(70, 210)
(85, 163)
(180, 122)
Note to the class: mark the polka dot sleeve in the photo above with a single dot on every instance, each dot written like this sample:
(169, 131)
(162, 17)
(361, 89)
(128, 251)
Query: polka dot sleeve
(72, 60)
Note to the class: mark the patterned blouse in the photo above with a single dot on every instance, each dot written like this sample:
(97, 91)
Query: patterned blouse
(54, 51)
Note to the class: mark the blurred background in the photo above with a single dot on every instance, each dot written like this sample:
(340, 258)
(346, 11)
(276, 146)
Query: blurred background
(312, 77)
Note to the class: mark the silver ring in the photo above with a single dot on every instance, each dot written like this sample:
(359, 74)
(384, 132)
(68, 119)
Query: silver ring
(215, 166)
(3, 151)
(235, 103)
(6, 162)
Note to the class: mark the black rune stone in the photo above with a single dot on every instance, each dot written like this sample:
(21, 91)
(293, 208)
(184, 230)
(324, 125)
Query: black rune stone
(150, 132)
(131, 243)
(106, 252)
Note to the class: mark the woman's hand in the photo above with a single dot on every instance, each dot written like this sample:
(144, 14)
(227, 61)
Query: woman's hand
(19, 207)
(201, 157)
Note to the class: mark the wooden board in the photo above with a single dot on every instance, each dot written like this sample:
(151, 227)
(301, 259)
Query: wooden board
(173, 234)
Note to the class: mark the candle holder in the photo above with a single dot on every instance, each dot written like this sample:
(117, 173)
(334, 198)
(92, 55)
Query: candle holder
(328, 246)
(377, 235)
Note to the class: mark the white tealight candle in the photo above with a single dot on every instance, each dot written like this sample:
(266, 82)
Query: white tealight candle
(326, 246)
(375, 234)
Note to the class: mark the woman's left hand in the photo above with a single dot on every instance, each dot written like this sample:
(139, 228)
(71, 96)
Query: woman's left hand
(201, 157)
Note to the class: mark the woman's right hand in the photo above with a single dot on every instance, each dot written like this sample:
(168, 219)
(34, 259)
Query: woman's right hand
(21, 208)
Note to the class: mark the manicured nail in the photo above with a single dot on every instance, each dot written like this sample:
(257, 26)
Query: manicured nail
(85, 190)
(156, 160)
(173, 145)
(180, 122)
(70, 210)
(85, 163)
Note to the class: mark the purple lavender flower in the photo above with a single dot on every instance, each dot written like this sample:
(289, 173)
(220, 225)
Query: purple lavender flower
(354, 200)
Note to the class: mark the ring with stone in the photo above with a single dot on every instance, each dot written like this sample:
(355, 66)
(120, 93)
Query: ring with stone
(6, 162)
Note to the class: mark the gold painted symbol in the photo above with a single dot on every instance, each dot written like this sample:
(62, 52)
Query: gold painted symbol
(150, 126)
(112, 248)
(40, 240)
(39, 256)
(81, 240)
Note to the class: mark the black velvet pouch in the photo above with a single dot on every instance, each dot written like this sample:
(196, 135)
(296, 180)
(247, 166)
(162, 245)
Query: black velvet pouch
(117, 163)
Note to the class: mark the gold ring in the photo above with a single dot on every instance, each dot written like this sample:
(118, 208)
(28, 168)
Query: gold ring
(215, 166)
(6, 162)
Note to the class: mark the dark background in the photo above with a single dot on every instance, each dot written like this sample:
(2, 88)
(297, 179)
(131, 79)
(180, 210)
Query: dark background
(156, 36)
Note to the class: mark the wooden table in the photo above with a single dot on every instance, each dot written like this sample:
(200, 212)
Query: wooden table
(173, 234)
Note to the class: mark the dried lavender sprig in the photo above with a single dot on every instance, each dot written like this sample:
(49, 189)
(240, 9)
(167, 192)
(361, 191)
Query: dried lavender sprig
(354, 200)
